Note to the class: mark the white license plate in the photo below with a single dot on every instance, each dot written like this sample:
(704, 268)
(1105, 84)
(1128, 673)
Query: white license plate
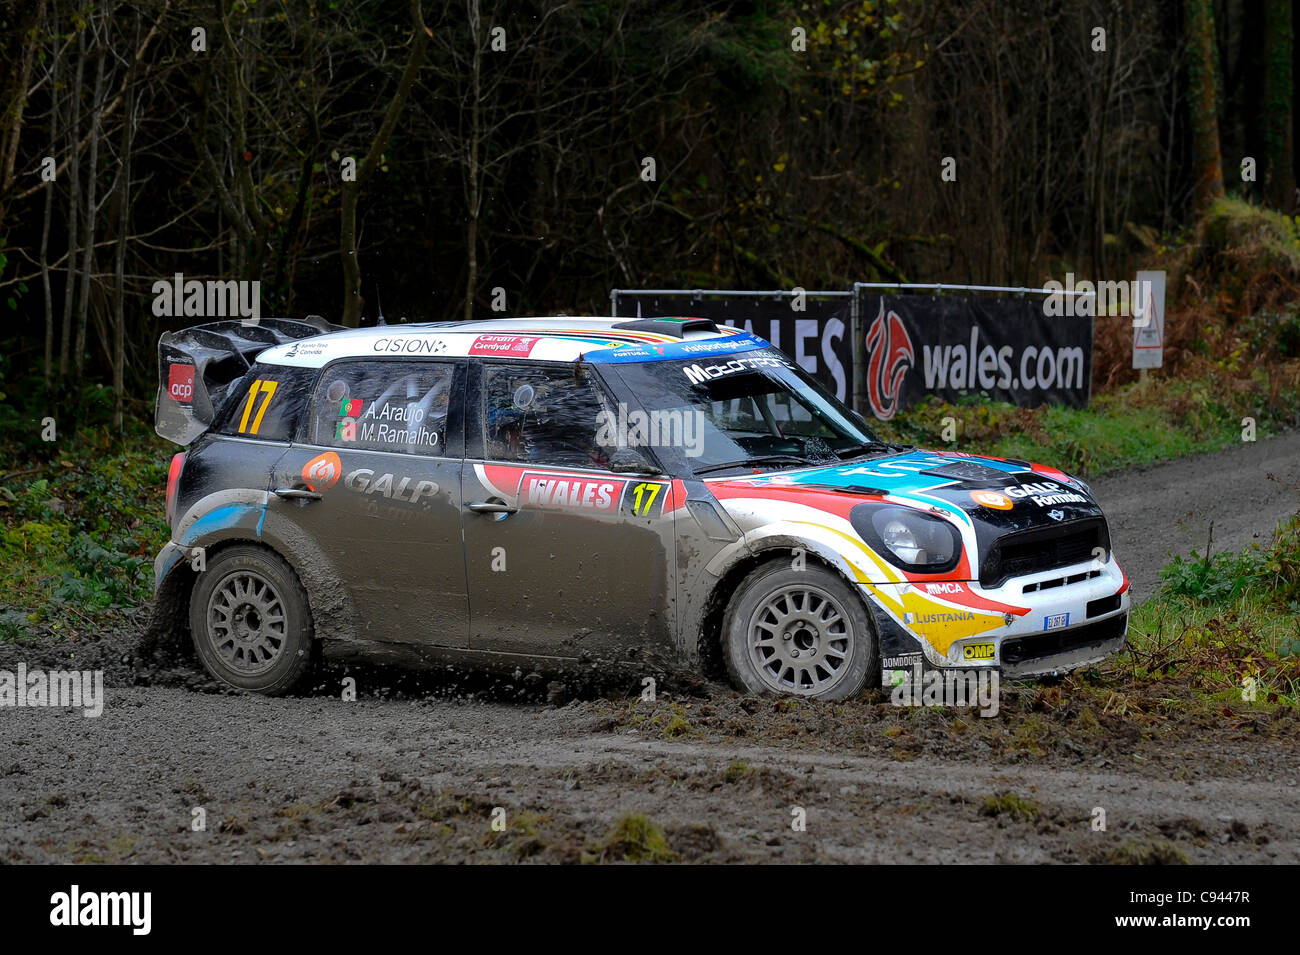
(1056, 621)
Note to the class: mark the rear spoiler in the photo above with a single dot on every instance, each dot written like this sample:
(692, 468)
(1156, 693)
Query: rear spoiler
(197, 366)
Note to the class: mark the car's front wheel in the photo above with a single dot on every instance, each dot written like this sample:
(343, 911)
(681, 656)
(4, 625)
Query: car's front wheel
(251, 622)
(803, 632)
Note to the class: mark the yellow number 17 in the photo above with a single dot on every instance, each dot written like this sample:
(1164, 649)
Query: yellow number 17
(267, 388)
(641, 489)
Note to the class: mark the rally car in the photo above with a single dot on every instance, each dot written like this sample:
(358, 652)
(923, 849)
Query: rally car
(541, 493)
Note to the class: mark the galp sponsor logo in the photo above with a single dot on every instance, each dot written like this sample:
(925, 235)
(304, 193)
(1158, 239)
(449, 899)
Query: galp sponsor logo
(552, 491)
(1046, 494)
(404, 489)
(76, 908)
(323, 471)
(180, 382)
(889, 356)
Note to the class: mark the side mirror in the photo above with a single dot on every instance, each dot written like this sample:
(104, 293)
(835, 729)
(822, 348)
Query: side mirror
(626, 461)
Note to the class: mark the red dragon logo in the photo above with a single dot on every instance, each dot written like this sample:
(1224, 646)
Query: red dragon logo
(890, 354)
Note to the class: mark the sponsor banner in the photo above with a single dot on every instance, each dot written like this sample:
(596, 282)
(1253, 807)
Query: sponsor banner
(950, 347)
(817, 338)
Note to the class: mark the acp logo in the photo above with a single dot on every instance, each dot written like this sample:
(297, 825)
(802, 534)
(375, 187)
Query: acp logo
(180, 382)
(323, 471)
(890, 354)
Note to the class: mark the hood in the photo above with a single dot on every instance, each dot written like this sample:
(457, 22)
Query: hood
(995, 495)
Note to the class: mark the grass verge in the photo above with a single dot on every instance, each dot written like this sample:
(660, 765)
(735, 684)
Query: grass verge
(1134, 425)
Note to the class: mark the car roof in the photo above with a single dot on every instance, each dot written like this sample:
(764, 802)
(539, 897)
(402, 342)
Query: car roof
(555, 339)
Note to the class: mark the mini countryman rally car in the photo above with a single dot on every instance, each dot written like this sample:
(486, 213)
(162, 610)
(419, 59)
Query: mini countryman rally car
(563, 492)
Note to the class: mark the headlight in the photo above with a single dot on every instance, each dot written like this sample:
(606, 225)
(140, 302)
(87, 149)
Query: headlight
(1087, 489)
(908, 538)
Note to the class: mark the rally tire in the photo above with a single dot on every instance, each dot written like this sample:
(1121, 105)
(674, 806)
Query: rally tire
(798, 632)
(251, 622)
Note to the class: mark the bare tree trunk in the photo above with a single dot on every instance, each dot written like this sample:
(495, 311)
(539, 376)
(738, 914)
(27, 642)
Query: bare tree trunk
(49, 202)
(1278, 140)
(352, 300)
(473, 197)
(119, 258)
(74, 199)
(19, 82)
(87, 261)
(1202, 102)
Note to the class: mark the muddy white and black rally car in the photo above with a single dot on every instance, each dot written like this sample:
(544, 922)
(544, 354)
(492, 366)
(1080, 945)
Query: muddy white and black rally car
(556, 491)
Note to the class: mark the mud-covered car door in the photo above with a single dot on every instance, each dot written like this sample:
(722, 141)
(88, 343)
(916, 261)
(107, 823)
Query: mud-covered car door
(565, 556)
(374, 487)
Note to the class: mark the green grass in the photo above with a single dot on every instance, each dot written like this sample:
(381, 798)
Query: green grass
(80, 523)
(634, 838)
(1009, 804)
(1225, 624)
(1134, 425)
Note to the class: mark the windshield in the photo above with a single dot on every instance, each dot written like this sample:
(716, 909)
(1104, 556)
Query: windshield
(745, 410)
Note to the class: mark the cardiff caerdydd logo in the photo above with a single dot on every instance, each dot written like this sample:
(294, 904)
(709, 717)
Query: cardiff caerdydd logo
(890, 354)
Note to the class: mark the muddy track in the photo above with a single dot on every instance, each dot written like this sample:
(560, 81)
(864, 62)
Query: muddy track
(413, 770)
(1168, 509)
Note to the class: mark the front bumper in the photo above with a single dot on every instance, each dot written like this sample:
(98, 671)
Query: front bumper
(1045, 623)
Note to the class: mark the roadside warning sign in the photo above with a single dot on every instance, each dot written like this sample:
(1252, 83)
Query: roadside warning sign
(1149, 321)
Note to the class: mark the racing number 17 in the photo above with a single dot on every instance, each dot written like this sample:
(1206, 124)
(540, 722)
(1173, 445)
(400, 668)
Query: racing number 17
(267, 388)
(649, 492)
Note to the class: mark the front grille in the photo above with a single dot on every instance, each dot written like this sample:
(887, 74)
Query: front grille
(1036, 646)
(1054, 582)
(1044, 548)
(1103, 605)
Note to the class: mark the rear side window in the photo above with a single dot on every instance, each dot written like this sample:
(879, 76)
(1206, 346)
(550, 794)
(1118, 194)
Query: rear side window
(395, 406)
(266, 403)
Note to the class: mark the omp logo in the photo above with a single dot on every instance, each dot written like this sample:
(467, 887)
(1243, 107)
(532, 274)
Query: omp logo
(322, 472)
(890, 356)
(180, 382)
(978, 651)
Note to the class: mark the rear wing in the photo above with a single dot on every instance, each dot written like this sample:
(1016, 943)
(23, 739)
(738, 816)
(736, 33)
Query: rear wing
(197, 367)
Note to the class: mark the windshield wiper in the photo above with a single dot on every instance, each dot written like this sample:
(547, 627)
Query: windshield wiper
(864, 446)
(861, 446)
(758, 461)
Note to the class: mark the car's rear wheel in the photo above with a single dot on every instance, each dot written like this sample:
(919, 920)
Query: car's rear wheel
(798, 632)
(251, 622)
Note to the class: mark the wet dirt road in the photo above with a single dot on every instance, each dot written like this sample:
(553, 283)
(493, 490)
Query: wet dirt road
(416, 773)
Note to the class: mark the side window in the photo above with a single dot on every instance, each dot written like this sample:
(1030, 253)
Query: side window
(398, 406)
(266, 403)
(542, 415)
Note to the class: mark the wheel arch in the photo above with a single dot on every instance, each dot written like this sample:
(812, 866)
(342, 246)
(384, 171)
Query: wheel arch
(774, 549)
